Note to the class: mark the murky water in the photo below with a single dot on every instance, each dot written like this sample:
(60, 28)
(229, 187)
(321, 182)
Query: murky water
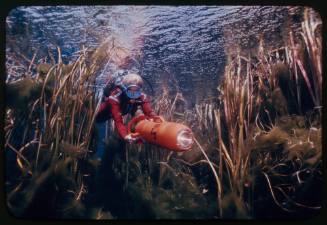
(187, 42)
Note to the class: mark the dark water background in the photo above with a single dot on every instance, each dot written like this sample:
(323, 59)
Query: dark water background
(187, 42)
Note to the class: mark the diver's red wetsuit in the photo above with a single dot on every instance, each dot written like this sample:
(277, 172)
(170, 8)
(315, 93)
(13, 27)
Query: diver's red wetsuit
(118, 104)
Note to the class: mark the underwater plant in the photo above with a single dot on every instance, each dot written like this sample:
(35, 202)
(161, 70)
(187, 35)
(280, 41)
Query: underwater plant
(51, 143)
(257, 114)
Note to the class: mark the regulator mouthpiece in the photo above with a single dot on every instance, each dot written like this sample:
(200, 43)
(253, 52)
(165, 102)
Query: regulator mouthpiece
(185, 139)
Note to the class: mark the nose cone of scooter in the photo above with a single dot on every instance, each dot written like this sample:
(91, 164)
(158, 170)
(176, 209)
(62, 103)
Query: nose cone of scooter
(185, 139)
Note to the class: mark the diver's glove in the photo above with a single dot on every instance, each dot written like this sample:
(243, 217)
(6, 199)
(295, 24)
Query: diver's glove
(130, 139)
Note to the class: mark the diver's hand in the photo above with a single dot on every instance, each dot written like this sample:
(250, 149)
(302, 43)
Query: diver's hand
(130, 139)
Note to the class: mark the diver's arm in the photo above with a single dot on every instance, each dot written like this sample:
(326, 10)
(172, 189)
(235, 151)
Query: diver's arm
(146, 106)
(117, 117)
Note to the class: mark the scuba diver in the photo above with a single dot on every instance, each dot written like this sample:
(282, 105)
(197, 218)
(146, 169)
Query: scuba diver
(124, 96)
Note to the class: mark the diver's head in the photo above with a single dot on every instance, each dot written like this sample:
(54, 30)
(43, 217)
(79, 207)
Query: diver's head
(132, 84)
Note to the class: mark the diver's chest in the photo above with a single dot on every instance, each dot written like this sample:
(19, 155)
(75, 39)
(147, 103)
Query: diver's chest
(130, 106)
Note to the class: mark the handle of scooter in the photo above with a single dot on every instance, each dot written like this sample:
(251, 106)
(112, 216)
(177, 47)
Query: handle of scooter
(134, 121)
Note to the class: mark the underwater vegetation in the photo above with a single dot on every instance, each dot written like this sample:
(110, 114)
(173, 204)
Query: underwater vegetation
(49, 122)
(269, 128)
(257, 154)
